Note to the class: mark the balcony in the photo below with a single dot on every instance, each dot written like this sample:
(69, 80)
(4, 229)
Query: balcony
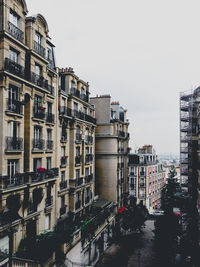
(63, 160)
(41, 82)
(78, 160)
(82, 116)
(15, 32)
(78, 138)
(75, 92)
(39, 49)
(49, 145)
(39, 112)
(14, 68)
(38, 144)
(19, 179)
(63, 185)
(77, 205)
(88, 158)
(14, 143)
(14, 106)
(84, 97)
(78, 181)
(50, 118)
(65, 111)
(49, 201)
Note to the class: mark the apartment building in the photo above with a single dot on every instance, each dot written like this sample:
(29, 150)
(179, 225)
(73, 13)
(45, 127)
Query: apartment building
(47, 150)
(112, 140)
(146, 177)
(28, 115)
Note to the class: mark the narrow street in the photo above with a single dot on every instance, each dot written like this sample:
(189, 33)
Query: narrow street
(133, 251)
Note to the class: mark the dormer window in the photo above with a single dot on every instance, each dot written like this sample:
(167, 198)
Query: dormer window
(38, 38)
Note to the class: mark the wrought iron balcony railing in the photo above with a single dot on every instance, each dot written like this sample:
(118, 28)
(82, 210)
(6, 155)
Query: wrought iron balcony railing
(14, 68)
(88, 139)
(50, 118)
(65, 111)
(14, 143)
(49, 145)
(121, 134)
(41, 82)
(15, 32)
(78, 181)
(39, 112)
(49, 201)
(75, 92)
(38, 144)
(18, 179)
(14, 106)
(39, 49)
(84, 97)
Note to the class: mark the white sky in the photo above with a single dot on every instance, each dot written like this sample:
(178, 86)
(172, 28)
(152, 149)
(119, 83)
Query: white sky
(141, 52)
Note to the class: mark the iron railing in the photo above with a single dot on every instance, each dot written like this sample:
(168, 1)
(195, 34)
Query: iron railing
(38, 144)
(50, 117)
(65, 111)
(39, 112)
(78, 160)
(14, 143)
(63, 160)
(14, 68)
(14, 106)
(49, 145)
(15, 32)
(63, 184)
(39, 49)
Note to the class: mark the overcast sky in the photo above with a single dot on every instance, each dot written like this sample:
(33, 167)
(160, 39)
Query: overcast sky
(141, 52)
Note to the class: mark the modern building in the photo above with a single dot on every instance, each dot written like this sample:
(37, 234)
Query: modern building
(112, 139)
(146, 177)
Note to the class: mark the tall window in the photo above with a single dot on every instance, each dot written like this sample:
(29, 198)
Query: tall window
(77, 173)
(49, 134)
(12, 169)
(38, 102)
(87, 172)
(49, 108)
(73, 85)
(15, 19)
(14, 55)
(62, 176)
(13, 129)
(13, 93)
(75, 106)
(37, 162)
(38, 38)
(37, 133)
(48, 163)
(78, 151)
(62, 151)
(38, 69)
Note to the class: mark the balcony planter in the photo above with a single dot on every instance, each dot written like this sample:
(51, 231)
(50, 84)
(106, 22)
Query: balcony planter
(40, 169)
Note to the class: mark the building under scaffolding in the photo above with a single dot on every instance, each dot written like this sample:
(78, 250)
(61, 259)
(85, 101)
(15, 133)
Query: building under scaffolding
(189, 161)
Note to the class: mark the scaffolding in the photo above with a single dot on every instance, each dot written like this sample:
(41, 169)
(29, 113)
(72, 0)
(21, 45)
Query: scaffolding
(188, 142)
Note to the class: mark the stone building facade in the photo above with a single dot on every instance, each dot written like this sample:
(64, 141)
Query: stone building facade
(112, 139)
(147, 177)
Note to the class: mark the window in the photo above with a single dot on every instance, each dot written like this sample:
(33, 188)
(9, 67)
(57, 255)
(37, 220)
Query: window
(63, 102)
(49, 134)
(48, 163)
(73, 85)
(38, 69)
(75, 106)
(84, 110)
(38, 38)
(87, 150)
(77, 173)
(13, 93)
(38, 102)
(37, 162)
(14, 55)
(87, 172)
(62, 151)
(78, 151)
(62, 176)
(13, 129)
(62, 201)
(47, 222)
(12, 169)
(49, 108)
(15, 19)
(49, 53)
(37, 133)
